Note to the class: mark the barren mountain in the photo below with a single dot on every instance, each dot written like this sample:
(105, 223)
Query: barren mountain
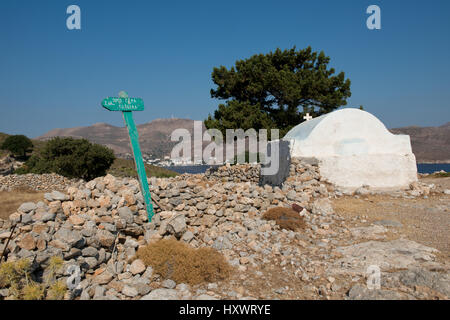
(429, 144)
(154, 137)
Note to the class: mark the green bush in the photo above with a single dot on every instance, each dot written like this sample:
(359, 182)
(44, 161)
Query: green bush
(72, 158)
(18, 145)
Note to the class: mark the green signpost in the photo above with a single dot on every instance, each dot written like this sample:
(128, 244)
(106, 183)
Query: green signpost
(127, 105)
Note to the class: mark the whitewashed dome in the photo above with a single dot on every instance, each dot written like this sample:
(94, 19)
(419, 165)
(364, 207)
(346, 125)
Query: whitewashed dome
(355, 149)
(345, 132)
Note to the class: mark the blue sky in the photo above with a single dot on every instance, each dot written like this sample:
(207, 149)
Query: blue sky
(164, 52)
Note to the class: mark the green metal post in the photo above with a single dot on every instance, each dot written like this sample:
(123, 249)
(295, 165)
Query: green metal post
(140, 168)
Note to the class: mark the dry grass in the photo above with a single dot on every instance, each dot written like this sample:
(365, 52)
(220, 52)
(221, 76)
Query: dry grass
(286, 218)
(11, 201)
(182, 263)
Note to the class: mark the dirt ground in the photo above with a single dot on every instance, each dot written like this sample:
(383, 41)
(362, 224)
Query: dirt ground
(426, 221)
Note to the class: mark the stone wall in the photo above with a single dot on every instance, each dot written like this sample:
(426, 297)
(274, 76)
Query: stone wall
(37, 182)
(235, 173)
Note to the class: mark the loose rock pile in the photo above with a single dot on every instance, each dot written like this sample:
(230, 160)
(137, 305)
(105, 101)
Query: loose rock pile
(235, 173)
(38, 182)
(99, 226)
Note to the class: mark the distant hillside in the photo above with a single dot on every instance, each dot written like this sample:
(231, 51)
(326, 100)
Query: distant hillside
(154, 136)
(429, 144)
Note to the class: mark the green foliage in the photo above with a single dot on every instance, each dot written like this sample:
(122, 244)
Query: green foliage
(127, 168)
(17, 144)
(267, 90)
(73, 158)
(248, 116)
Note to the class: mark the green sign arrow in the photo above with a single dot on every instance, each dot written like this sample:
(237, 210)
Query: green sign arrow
(127, 105)
(123, 104)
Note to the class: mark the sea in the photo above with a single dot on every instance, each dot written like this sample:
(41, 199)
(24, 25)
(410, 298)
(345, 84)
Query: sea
(190, 169)
(421, 168)
(432, 167)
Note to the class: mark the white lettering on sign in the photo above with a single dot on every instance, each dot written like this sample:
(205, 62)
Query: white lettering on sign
(74, 20)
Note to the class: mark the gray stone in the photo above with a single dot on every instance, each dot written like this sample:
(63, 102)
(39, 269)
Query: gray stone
(48, 217)
(99, 292)
(105, 238)
(222, 243)
(129, 291)
(91, 262)
(85, 295)
(322, 206)
(359, 292)
(27, 207)
(161, 294)
(131, 243)
(394, 254)
(4, 292)
(126, 214)
(177, 225)
(26, 218)
(201, 206)
(137, 267)
(142, 288)
(169, 284)
(422, 277)
(71, 237)
(291, 195)
(89, 252)
(56, 195)
(187, 236)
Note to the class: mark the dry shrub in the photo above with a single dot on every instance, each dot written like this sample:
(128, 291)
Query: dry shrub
(182, 263)
(286, 218)
(57, 290)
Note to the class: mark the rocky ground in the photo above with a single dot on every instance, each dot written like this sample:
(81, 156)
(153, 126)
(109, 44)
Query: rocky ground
(99, 225)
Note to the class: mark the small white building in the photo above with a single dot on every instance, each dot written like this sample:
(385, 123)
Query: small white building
(355, 149)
